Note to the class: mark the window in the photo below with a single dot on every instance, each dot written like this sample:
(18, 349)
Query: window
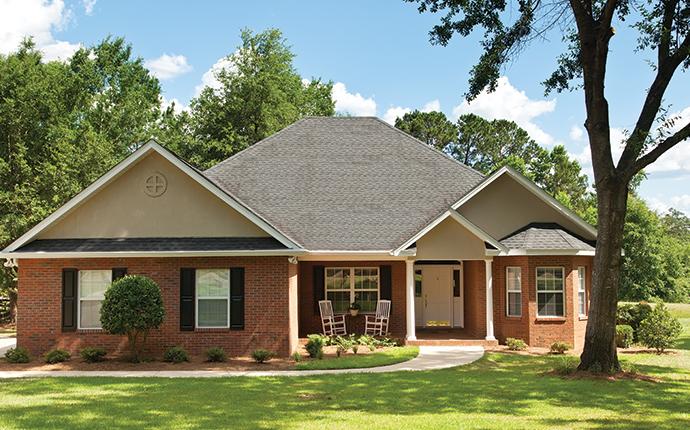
(514, 291)
(418, 283)
(550, 292)
(581, 291)
(456, 283)
(92, 286)
(345, 285)
(212, 298)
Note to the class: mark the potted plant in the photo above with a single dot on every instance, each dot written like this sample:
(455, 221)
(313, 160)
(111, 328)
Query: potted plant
(354, 308)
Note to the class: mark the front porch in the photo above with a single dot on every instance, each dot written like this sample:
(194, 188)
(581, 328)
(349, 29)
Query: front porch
(449, 337)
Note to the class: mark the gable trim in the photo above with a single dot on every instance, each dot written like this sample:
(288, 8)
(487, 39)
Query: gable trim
(121, 168)
(532, 187)
(481, 234)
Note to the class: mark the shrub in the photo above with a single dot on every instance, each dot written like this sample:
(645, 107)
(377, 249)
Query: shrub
(559, 347)
(624, 336)
(216, 355)
(297, 357)
(92, 355)
(132, 306)
(516, 344)
(175, 354)
(660, 329)
(56, 356)
(633, 315)
(17, 355)
(314, 345)
(262, 355)
(566, 365)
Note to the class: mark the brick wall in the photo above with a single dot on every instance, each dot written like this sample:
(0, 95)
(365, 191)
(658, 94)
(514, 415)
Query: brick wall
(505, 326)
(267, 319)
(309, 319)
(475, 297)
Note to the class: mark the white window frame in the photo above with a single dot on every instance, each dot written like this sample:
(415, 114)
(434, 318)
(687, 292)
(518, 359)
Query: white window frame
(582, 289)
(197, 298)
(352, 289)
(509, 291)
(80, 299)
(536, 285)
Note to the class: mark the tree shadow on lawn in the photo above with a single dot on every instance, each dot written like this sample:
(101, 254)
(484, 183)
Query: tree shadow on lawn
(500, 390)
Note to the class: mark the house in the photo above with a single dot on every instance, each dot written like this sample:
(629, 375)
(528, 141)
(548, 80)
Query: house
(348, 209)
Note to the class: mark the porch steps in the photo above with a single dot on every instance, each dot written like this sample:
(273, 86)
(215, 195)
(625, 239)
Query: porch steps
(453, 342)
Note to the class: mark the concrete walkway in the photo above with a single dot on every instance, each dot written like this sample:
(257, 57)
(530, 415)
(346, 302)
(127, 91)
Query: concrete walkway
(429, 358)
(6, 343)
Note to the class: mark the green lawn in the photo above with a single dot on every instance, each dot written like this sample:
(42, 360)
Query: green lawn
(349, 361)
(7, 332)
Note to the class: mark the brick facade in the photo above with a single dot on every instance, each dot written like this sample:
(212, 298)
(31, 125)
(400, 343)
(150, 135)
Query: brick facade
(267, 298)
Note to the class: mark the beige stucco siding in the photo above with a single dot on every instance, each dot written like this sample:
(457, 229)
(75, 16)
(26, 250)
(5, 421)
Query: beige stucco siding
(505, 206)
(450, 241)
(123, 209)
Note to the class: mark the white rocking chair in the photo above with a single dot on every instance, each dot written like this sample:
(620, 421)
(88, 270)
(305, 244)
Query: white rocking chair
(377, 325)
(331, 324)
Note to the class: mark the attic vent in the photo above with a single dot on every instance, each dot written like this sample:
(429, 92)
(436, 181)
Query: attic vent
(155, 185)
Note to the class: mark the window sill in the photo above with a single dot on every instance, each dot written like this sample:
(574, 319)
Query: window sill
(583, 318)
(513, 317)
(551, 319)
(211, 329)
(90, 330)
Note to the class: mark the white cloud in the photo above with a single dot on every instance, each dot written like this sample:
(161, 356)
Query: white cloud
(209, 79)
(662, 205)
(38, 19)
(394, 112)
(178, 106)
(352, 103)
(507, 102)
(432, 106)
(576, 133)
(88, 6)
(168, 66)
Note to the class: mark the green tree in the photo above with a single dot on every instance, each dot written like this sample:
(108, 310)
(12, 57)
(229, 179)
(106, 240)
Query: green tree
(663, 27)
(432, 128)
(259, 94)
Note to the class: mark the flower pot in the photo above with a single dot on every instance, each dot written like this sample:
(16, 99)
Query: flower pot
(354, 312)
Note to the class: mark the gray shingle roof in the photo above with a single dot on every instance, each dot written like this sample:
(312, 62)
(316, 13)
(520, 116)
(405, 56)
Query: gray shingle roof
(345, 183)
(148, 244)
(545, 236)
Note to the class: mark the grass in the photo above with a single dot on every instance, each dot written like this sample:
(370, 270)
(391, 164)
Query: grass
(7, 332)
(351, 361)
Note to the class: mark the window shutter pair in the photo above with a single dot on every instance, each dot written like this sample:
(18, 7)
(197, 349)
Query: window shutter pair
(385, 282)
(70, 300)
(187, 297)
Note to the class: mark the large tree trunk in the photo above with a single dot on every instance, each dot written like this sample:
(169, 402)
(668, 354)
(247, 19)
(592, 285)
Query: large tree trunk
(599, 352)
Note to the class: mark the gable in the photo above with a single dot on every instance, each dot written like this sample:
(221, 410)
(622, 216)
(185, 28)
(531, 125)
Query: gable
(449, 240)
(505, 205)
(122, 208)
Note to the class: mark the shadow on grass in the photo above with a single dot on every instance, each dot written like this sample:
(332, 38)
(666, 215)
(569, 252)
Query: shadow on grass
(498, 391)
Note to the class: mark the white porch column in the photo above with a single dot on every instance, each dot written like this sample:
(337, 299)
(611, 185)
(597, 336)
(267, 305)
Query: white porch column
(409, 302)
(489, 301)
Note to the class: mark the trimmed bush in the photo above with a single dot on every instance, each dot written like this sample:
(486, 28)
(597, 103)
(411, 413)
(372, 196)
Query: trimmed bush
(216, 355)
(516, 344)
(17, 355)
(92, 355)
(132, 306)
(315, 345)
(175, 354)
(624, 336)
(660, 329)
(262, 355)
(633, 315)
(56, 356)
(559, 347)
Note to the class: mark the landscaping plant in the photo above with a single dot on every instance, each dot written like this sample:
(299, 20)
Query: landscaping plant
(216, 355)
(17, 355)
(175, 354)
(262, 355)
(633, 314)
(314, 346)
(133, 305)
(516, 344)
(624, 336)
(660, 329)
(92, 355)
(559, 347)
(56, 356)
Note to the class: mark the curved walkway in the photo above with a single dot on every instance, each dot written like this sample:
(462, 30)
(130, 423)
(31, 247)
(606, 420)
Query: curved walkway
(429, 358)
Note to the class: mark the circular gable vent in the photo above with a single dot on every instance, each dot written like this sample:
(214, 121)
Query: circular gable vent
(155, 185)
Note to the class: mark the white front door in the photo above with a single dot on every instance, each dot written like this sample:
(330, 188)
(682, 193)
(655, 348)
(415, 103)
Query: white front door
(437, 291)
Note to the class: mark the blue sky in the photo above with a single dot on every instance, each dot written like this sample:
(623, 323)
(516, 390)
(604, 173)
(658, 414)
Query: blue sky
(377, 53)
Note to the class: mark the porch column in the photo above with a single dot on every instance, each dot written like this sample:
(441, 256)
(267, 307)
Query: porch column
(489, 301)
(409, 302)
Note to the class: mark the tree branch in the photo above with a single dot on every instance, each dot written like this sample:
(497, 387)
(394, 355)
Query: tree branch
(659, 150)
(666, 23)
(607, 13)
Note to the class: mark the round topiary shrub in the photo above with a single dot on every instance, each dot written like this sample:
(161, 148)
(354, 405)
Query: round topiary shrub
(216, 355)
(56, 356)
(559, 347)
(314, 346)
(660, 329)
(624, 336)
(262, 355)
(133, 305)
(17, 355)
(175, 354)
(516, 344)
(92, 355)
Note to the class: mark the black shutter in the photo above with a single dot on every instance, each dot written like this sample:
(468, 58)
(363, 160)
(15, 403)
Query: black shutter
(119, 272)
(319, 293)
(69, 299)
(237, 298)
(187, 287)
(386, 283)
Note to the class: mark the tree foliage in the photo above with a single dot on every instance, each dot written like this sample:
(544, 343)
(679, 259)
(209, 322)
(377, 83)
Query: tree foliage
(432, 128)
